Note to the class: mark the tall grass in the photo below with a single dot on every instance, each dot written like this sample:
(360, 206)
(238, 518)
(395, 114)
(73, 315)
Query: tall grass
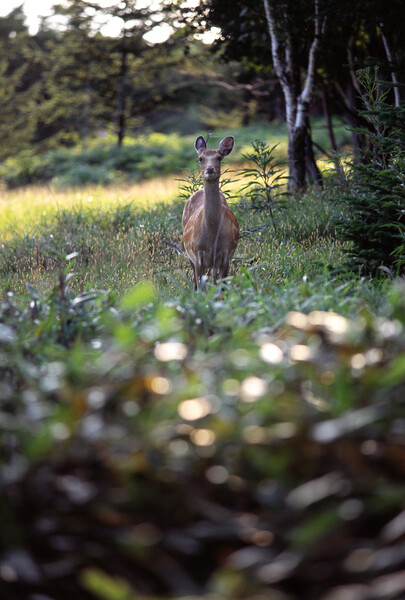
(123, 235)
(23, 208)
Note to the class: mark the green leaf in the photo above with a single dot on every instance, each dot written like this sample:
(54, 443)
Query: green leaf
(143, 293)
(315, 527)
(394, 374)
(105, 587)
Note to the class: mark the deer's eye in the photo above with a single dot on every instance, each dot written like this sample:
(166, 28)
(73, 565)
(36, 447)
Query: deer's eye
(200, 159)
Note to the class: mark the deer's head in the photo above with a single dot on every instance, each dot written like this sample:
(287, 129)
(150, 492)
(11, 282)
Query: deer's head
(210, 160)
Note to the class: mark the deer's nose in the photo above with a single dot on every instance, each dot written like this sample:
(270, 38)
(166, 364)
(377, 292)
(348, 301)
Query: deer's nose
(210, 170)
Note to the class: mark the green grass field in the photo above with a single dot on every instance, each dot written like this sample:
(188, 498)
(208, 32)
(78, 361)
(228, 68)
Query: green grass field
(24, 208)
(125, 232)
(129, 233)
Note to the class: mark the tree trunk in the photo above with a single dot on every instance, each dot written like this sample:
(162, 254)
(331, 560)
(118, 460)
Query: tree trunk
(358, 138)
(296, 159)
(348, 100)
(328, 120)
(246, 109)
(122, 99)
(301, 158)
(391, 61)
(313, 173)
(300, 154)
(85, 114)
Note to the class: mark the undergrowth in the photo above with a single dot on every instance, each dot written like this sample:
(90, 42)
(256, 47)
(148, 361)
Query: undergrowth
(157, 442)
(141, 157)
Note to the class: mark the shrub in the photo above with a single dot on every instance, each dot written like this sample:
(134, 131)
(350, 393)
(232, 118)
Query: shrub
(83, 174)
(264, 187)
(147, 156)
(373, 209)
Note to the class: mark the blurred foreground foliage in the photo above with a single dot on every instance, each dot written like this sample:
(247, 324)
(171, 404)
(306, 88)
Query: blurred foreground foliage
(163, 450)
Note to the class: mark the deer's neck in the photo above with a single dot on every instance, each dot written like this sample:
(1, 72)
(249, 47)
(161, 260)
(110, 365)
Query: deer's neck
(212, 203)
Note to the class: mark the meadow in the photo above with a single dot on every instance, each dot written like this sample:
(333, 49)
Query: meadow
(140, 224)
(237, 442)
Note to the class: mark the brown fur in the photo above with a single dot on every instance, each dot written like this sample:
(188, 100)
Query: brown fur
(210, 229)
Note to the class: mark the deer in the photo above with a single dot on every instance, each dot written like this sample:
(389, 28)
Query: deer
(210, 229)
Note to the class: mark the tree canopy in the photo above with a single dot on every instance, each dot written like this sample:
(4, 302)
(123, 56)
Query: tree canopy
(71, 81)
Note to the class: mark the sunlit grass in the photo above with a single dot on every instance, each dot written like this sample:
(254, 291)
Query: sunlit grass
(120, 235)
(120, 241)
(23, 208)
(124, 233)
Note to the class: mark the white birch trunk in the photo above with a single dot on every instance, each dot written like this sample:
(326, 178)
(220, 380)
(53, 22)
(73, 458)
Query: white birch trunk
(297, 108)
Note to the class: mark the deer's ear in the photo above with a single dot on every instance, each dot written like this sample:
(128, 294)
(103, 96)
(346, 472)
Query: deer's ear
(200, 144)
(225, 147)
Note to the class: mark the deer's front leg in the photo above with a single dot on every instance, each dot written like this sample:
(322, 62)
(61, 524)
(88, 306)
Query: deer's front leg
(199, 268)
(193, 270)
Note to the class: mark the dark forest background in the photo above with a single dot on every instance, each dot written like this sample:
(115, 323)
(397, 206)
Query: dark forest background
(66, 84)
